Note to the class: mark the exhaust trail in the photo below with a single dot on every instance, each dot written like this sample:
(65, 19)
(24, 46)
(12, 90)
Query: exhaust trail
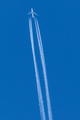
(42, 112)
(44, 68)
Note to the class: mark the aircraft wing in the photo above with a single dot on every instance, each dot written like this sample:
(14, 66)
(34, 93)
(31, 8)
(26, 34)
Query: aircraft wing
(35, 13)
(30, 13)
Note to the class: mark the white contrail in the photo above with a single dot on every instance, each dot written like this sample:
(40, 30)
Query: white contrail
(44, 68)
(36, 74)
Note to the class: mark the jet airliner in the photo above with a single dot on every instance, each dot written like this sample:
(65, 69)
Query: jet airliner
(32, 13)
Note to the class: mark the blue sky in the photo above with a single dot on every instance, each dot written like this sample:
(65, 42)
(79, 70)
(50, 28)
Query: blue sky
(59, 23)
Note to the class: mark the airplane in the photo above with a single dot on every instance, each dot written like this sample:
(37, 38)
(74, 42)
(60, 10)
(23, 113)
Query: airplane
(32, 13)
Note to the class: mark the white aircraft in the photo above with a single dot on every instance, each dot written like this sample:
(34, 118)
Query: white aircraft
(32, 13)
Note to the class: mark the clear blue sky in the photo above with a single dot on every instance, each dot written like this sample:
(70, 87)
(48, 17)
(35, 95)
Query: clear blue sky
(59, 22)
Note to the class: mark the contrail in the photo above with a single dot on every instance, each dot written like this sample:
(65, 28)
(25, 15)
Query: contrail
(36, 74)
(44, 68)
